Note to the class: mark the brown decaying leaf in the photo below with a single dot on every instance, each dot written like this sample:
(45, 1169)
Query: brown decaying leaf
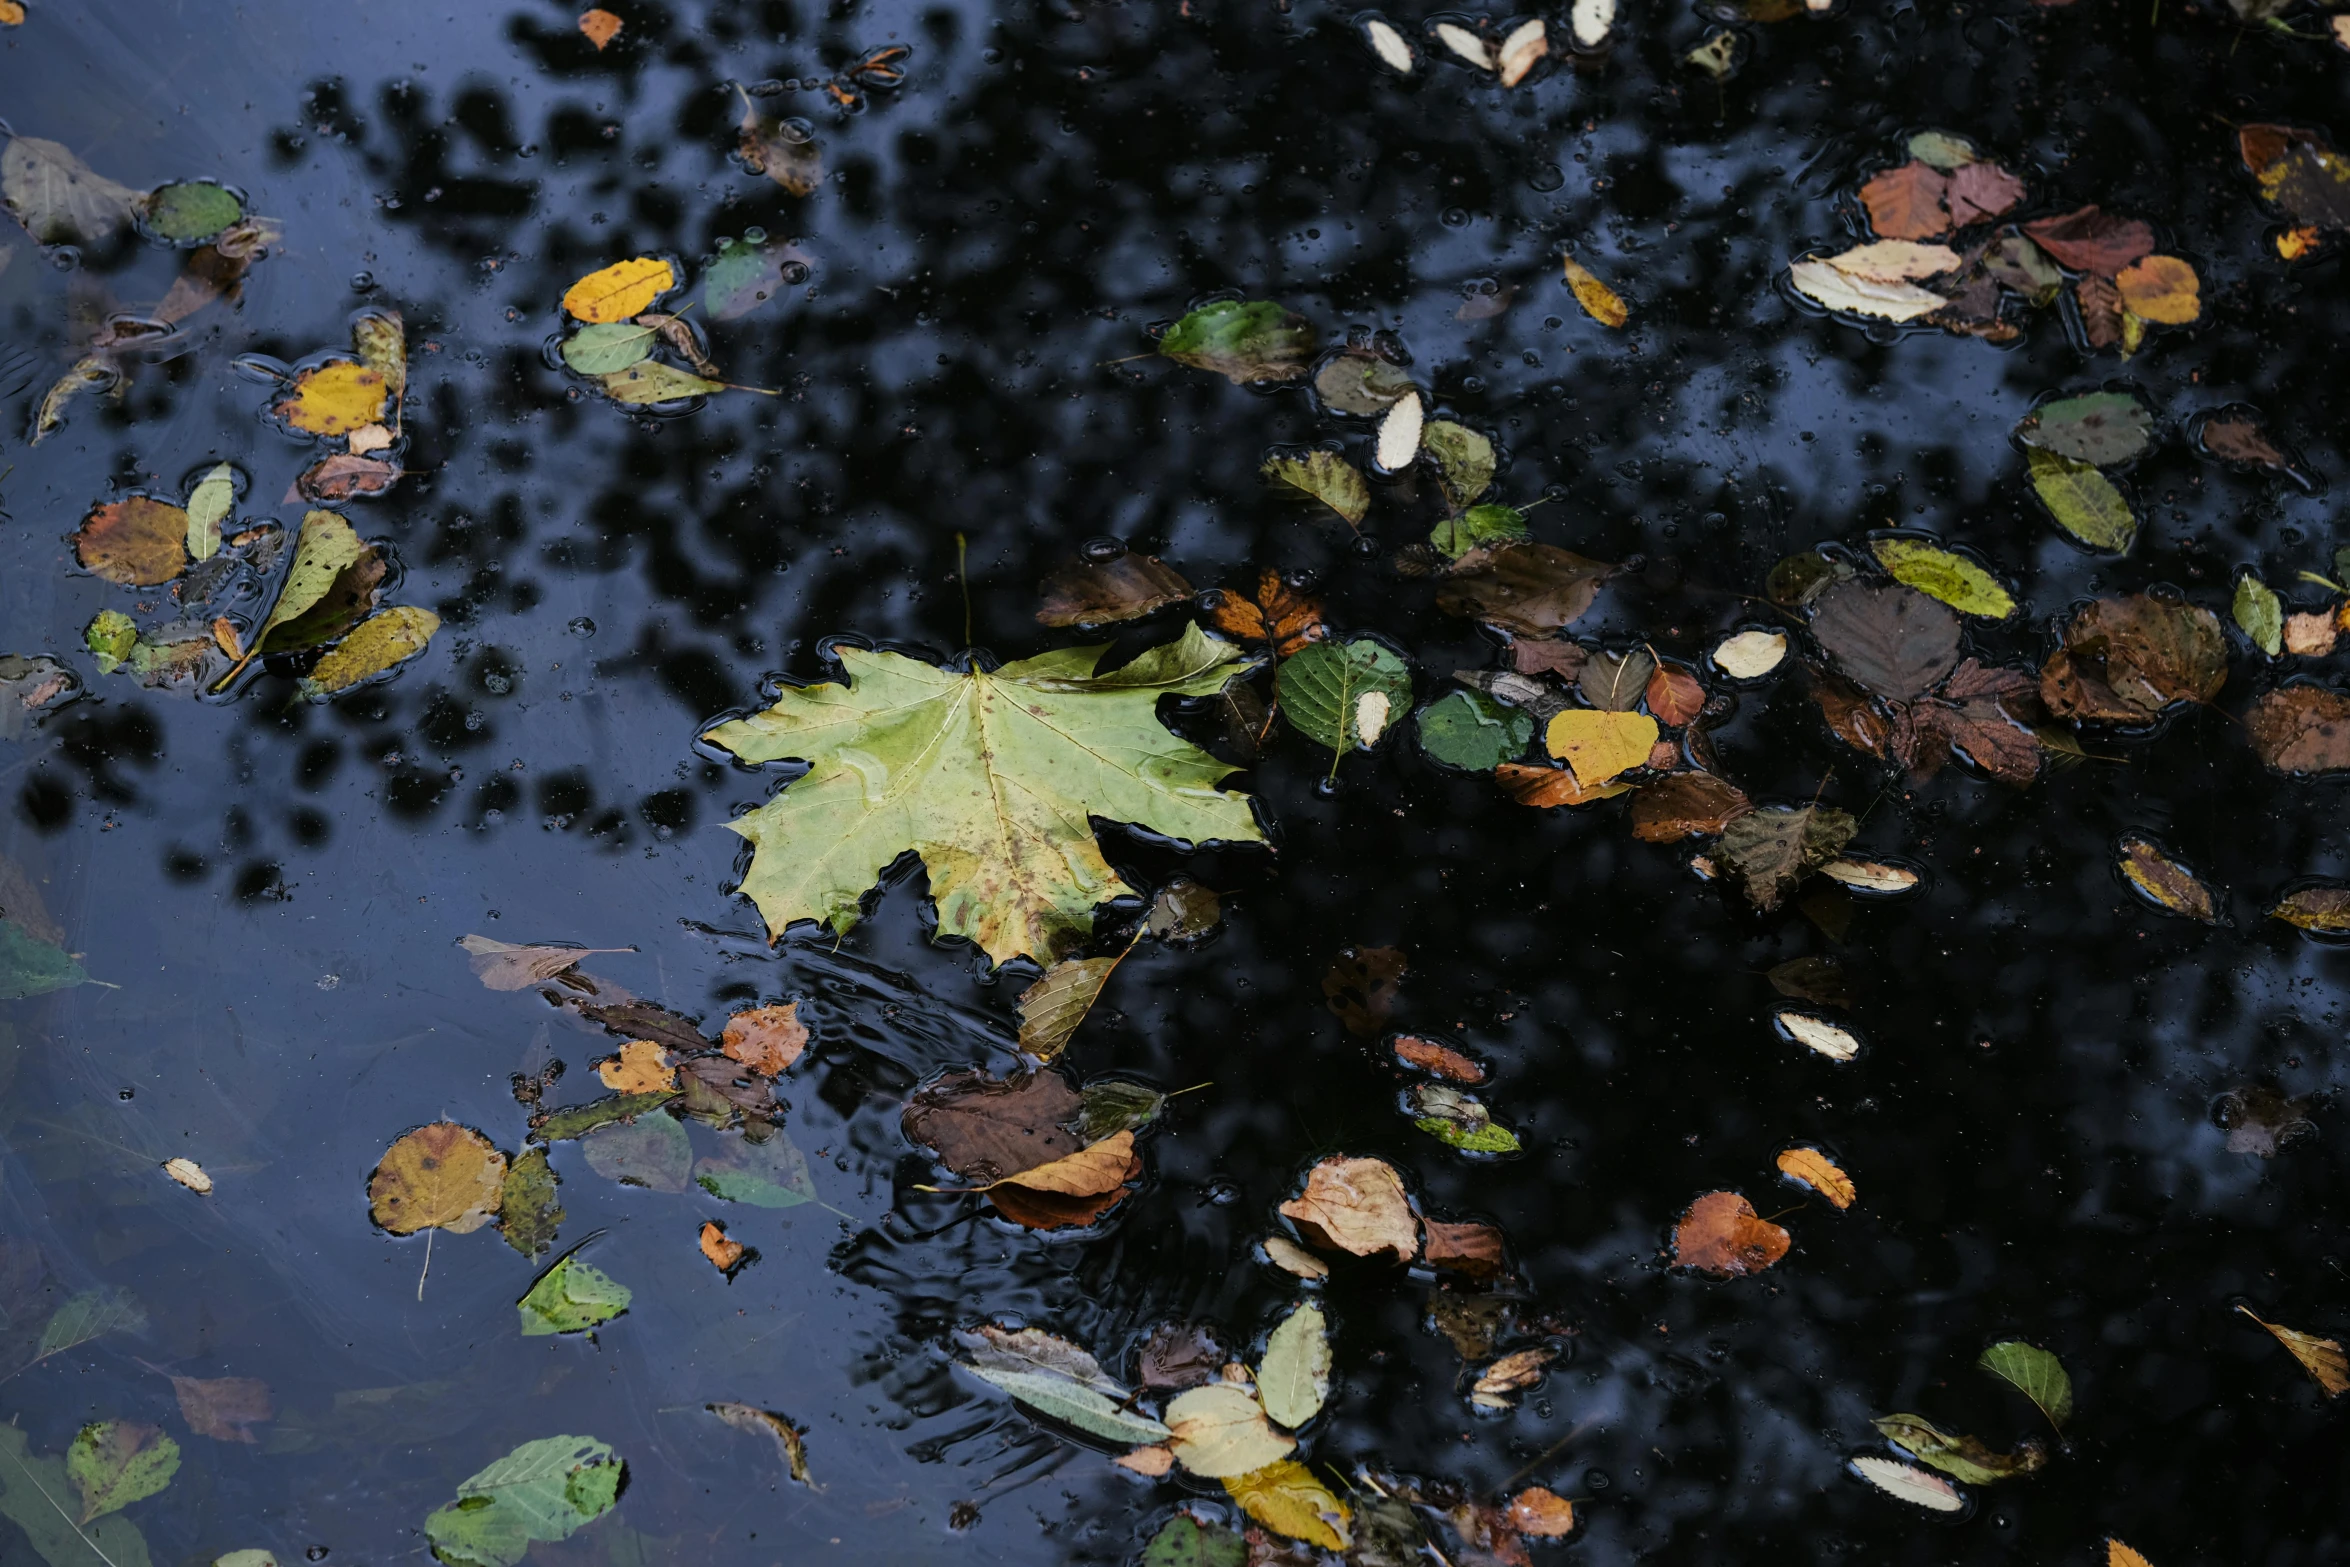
(2301, 729)
(1823, 980)
(1980, 713)
(601, 27)
(2126, 659)
(1770, 850)
(2160, 288)
(1907, 202)
(791, 160)
(1360, 987)
(1819, 1172)
(2089, 240)
(1979, 192)
(1686, 805)
(717, 1090)
(1179, 1355)
(1041, 1210)
(223, 1408)
(2322, 1358)
(1356, 1206)
(1529, 590)
(1538, 786)
(984, 1129)
(1542, 1514)
(1616, 682)
(1488, 1535)
(1433, 1055)
(1674, 696)
(633, 1019)
(139, 542)
(1290, 1257)
(2101, 310)
(724, 1255)
(789, 1439)
(1892, 639)
(766, 1039)
(2240, 438)
(2165, 882)
(1095, 593)
(1721, 1234)
(1474, 1251)
(642, 1067)
(2325, 909)
(342, 476)
(1280, 617)
(1497, 1385)
(1549, 656)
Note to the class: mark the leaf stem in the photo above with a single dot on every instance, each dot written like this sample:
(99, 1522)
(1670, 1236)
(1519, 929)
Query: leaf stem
(428, 1235)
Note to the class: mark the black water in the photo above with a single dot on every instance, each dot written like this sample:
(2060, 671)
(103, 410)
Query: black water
(275, 888)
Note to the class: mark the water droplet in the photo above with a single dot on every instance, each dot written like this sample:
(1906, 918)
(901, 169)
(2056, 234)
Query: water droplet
(127, 1093)
(329, 981)
(1596, 1480)
(770, 87)
(1549, 177)
(582, 627)
(362, 282)
(796, 131)
(754, 235)
(316, 1553)
(794, 273)
(1102, 548)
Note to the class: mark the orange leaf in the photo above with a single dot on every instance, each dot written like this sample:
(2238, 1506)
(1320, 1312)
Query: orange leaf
(601, 26)
(640, 1068)
(1600, 302)
(2160, 288)
(724, 1255)
(1088, 1172)
(1546, 786)
(2120, 1555)
(1356, 1206)
(137, 542)
(766, 1039)
(1286, 619)
(1906, 203)
(1152, 1461)
(1817, 1171)
(1721, 1234)
(1542, 1514)
(1430, 1056)
(1674, 696)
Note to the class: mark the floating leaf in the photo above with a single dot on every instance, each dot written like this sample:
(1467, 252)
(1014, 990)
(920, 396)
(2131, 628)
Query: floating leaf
(189, 1174)
(1057, 1379)
(2084, 502)
(766, 1039)
(1183, 1541)
(1356, 1206)
(1616, 682)
(1894, 261)
(377, 645)
(1529, 590)
(1750, 655)
(1242, 341)
(2323, 909)
(209, 505)
(139, 542)
(2093, 241)
(1289, 1256)
(114, 1463)
(1458, 1119)
(571, 1297)
(1498, 1385)
(600, 350)
(191, 211)
(1819, 1172)
(2160, 288)
(1326, 477)
(1892, 639)
(990, 775)
(1945, 575)
(1915, 1486)
(2322, 1358)
(1907, 202)
(2036, 1374)
(640, 1068)
(56, 196)
(2165, 882)
(1113, 1105)
(2120, 1555)
(1771, 849)
(1541, 1515)
(1051, 1009)
(1525, 46)
(1220, 1432)
(984, 1129)
(2102, 428)
(655, 382)
(1465, 44)
(1979, 192)
(619, 292)
(543, 1490)
(1360, 383)
(1824, 284)
(2125, 660)
(2260, 615)
(1341, 694)
(1464, 459)
(1686, 805)
(1470, 730)
(727, 1256)
(1096, 592)
(1674, 696)
(1543, 787)
(1599, 745)
(2301, 729)
(1283, 619)
(789, 1439)
(1600, 302)
(1479, 525)
(599, 27)
(442, 1176)
(334, 398)
(527, 1211)
(580, 1120)
(1287, 1499)
(1819, 1034)
(1397, 445)
(1720, 1233)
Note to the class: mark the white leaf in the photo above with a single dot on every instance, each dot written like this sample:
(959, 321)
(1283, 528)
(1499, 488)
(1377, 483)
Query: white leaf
(1825, 1037)
(1894, 261)
(1591, 20)
(1527, 43)
(208, 508)
(1823, 284)
(1870, 876)
(1370, 718)
(189, 1174)
(1466, 44)
(1294, 1379)
(1911, 1485)
(1751, 654)
(1288, 1255)
(1389, 46)
(1399, 434)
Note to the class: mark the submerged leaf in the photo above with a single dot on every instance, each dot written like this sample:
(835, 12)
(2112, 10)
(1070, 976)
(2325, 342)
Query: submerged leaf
(1242, 341)
(57, 197)
(1464, 459)
(1963, 1458)
(788, 1438)
(527, 1212)
(990, 775)
(1530, 590)
(571, 1297)
(1771, 849)
(543, 1490)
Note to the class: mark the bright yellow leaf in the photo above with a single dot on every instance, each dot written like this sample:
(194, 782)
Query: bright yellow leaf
(334, 398)
(639, 1069)
(1286, 1498)
(1598, 745)
(621, 291)
(1600, 302)
(2160, 288)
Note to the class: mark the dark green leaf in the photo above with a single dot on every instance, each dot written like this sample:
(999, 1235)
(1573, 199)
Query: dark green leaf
(1470, 730)
(192, 210)
(1487, 524)
(1771, 849)
(2036, 1374)
(1343, 694)
(1242, 341)
(527, 1214)
(1113, 1105)
(1183, 1541)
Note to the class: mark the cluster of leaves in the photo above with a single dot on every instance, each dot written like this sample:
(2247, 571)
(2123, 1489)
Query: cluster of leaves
(2304, 178)
(619, 330)
(2104, 268)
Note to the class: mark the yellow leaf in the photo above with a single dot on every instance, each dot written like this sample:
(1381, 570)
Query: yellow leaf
(2160, 288)
(622, 290)
(1221, 1432)
(443, 1176)
(638, 1069)
(377, 644)
(1817, 1171)
(1356, 1206)
(11, 14)
(2322, 1358)
(334, 398)
(2120, 1555)
(1086, 1173)
(1286, 1498)
(1600, 302)
(1599, 745)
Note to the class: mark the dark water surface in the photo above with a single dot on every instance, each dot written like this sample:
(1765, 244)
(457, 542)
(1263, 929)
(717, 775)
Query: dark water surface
(271, 890)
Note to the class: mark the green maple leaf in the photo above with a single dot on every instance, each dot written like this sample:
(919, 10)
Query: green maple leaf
(991, 777)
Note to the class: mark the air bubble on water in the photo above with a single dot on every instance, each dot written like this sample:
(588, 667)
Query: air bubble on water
(754, 235)
(329, 981)
(582, 627)
(126, 1093)
(362, 282)
(1101, 549)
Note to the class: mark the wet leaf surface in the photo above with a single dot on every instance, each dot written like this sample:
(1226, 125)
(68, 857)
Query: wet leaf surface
(2036, 1374)
(1721, 1234)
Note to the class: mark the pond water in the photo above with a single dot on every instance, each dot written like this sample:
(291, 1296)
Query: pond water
(267, 893)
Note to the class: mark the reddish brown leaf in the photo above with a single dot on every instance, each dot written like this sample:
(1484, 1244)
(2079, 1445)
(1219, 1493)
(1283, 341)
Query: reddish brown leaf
(1549, 655)
(1674, 696)
(1542, 1514)
(342, 476)
(1686, 805)
(2124, 660)
(1980, 191)
(2090, 240)
(1529, 590)
(2240, 438)
(1474, 1251)
(1360, 987)
(223, 1408)
(1538, 786)
(645, 1020)
(1180, 1355)
(1980, 714)
(766, 1039)
(1892, 639)
(1278, 616)
(2101, 310)
(2262, 145)
(1721, 1234)
(2301, 729)
(1853, 716)
(1906, 203)
(1488, 1536)
(1432, 1055)
(1094, 593)
(985, 1128)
